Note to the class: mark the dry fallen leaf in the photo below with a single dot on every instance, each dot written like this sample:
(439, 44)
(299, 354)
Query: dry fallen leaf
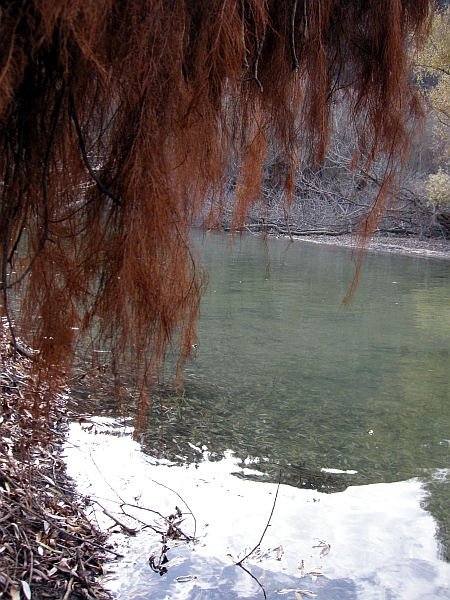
(26, 590)
(184, 578)
(14, 593)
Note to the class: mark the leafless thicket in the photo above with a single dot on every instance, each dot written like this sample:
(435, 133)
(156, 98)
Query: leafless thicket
(336, 197)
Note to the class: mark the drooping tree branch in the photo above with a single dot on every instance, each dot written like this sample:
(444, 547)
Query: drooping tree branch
(157, 92)
(45, 199)
(293, 50)
(92, 173)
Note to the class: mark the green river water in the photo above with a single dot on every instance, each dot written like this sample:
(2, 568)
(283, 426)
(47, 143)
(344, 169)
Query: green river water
(338, 398)
(285, 372)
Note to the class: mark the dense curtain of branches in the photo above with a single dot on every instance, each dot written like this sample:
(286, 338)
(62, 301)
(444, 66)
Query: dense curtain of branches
(122, 121)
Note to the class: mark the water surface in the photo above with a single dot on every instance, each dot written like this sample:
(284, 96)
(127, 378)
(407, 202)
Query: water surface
(350, 405)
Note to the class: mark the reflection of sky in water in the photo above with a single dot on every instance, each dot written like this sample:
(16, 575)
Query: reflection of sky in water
(353, 399)
(382, 542)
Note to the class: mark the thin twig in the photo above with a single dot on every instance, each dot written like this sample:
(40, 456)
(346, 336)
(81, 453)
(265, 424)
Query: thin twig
(253, 577)
(259, 48)
(246, 51)
(182, 500)
(5, 256)
(92, 173)
(286, 220)
(129, 530)
(123, 503)
(294, 53)
(105, 480)
(266, 527)
(48, 153)
(69, 589)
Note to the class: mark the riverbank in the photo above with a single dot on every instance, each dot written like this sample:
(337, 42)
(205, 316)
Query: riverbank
(398, 244)
(48, 547)
(408, 245)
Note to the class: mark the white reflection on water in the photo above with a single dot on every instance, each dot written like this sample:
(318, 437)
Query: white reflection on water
(382, 543)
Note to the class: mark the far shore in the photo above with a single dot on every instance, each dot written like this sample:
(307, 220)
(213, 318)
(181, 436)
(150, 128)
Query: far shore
(406, 245)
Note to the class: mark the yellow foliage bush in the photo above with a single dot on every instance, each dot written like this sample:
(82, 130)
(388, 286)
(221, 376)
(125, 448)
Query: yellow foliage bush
(438, 188)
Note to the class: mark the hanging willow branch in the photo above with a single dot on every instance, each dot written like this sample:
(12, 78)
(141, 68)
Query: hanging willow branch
(122, 124)
(259, 48)
(294, 52)
(103, 189)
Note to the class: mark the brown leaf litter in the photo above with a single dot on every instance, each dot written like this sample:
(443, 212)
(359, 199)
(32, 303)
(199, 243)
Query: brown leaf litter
(48, 547)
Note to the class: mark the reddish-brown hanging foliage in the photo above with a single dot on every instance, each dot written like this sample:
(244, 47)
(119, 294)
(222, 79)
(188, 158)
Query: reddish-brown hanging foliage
(122, 121)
